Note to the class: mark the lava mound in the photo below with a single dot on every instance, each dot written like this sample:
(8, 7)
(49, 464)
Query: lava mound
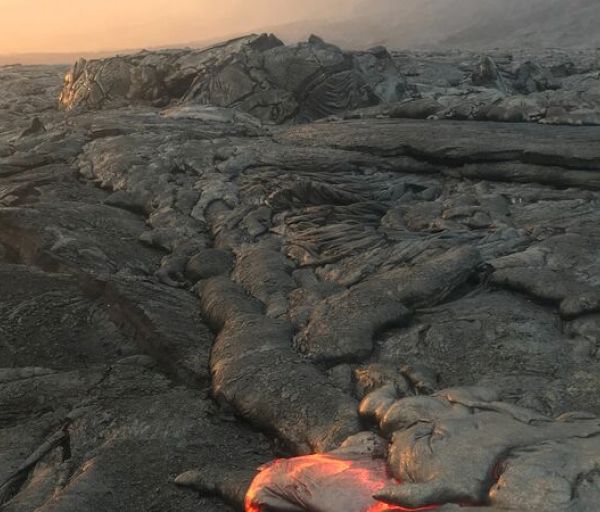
(255, 74)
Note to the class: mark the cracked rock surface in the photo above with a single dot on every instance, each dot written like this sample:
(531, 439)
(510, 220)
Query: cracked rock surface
(194, 284)
(259, 75)
(256, 74)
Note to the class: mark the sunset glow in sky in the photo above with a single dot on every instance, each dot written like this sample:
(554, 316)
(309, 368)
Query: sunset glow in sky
(92, 25)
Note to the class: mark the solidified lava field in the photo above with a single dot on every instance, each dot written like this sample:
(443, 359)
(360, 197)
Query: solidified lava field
(375, 275)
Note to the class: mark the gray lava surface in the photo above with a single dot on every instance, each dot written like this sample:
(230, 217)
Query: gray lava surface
(210, 259)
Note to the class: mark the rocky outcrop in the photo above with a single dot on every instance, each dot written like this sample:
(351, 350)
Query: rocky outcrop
(487, 74)
(255, 74)
(274, 83)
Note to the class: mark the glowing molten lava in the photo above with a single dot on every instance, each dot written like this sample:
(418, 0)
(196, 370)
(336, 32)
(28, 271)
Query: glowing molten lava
(322, 483)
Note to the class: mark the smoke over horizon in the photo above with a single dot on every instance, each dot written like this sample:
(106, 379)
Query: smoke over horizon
(56, 26)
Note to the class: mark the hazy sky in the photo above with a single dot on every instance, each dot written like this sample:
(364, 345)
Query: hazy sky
(91, 25)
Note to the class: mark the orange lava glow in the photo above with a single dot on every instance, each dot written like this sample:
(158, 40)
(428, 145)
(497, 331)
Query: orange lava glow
(323, 483)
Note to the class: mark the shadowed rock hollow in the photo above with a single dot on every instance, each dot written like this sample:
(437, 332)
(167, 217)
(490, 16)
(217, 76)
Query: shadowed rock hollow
(197, 281)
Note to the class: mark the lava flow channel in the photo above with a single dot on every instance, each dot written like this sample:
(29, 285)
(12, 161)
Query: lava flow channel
(322, 483)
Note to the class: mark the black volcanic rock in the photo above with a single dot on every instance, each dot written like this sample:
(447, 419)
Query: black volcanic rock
(187, 291)
(274, 83)
(255, 74)
(487, 74)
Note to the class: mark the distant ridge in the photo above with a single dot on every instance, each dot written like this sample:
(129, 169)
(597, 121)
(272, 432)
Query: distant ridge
(469, 24)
